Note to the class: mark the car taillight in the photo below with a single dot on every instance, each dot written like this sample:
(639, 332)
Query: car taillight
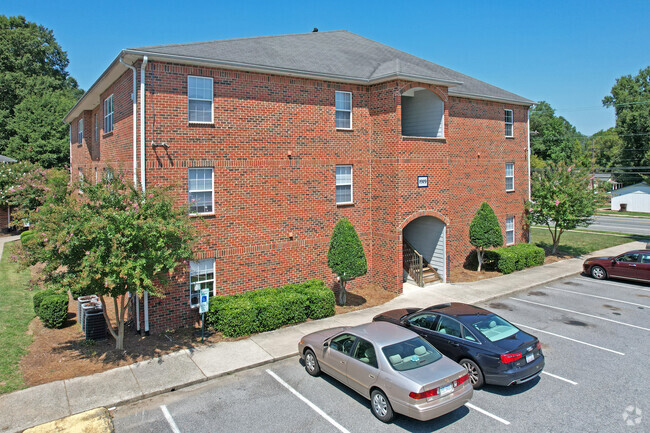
(539, 346)
(460, 381)
(510, 357)
(425, 394)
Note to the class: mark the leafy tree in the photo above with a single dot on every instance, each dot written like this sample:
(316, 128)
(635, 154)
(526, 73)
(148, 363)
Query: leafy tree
(630, 97)
(33, 66)
(35, 188)
(345, 256)
(485, 231)
(561, 199)
(553, 138)
(110, 240)
(9, 175)
(607, 148)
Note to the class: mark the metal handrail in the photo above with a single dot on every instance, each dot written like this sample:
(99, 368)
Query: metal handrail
(413, 263)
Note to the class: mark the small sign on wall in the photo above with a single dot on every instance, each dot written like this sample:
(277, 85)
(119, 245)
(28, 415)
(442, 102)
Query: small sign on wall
(423, 181)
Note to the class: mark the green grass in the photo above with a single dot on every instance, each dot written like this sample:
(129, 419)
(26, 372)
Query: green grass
(576, 243)
(16, 311)
(623, 214)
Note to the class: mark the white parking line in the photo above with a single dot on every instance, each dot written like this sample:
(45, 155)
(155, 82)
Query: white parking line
(611, 283)
(485, 412)
(309, 403)
(560, 378)
(170, 420)
(599, 297)
(582, 314)
(569, 338)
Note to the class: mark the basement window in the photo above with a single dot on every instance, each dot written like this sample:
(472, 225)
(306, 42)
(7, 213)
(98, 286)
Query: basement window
(201, 277)
(423, 114)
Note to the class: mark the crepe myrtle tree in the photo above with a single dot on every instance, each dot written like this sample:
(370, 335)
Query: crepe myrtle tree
(484, 231)
(562, 199)
(345, 256)
(110, 240)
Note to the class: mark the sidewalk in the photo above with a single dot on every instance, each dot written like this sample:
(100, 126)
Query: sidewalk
(33, 406)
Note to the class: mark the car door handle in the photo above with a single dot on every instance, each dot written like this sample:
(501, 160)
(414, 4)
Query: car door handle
(633, 265)
(371, 376)
(342, 362)
(453, 343)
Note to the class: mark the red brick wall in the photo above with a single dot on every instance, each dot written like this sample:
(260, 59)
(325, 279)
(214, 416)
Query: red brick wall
(274, 148)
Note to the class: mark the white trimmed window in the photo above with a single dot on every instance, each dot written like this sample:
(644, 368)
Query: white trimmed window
(510, 176)
(80, 131)
(343, 184)
(201, 190)
(201, 277)
(510, 230)
(199, 99)
(508, 122)
(108, 114)
(343, 102)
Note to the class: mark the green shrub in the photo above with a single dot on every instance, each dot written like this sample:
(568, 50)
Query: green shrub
(270, 308)
(517, 257)
(26, 236)
(38, 297)
(53, 310)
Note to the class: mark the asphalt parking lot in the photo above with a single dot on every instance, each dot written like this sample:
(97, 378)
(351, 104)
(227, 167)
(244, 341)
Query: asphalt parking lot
(594, 335)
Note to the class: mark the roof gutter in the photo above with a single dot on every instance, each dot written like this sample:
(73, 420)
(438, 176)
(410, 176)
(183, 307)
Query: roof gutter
(491, 98)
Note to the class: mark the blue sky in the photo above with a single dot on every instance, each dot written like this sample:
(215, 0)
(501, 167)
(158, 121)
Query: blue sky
(568, 53)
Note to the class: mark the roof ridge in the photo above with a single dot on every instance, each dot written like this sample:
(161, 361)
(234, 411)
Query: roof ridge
(239, 39)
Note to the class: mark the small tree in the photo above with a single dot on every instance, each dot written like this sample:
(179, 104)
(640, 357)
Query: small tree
(110, 240)
(33, 188)
(345, 256)
(485, 231)
(561, 199)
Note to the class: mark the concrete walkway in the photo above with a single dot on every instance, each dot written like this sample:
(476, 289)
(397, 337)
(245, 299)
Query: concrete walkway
(4, 240)
(40, 404)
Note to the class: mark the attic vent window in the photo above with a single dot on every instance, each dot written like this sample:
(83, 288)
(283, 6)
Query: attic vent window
(423, 114)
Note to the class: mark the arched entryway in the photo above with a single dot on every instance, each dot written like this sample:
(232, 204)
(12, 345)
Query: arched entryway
(424, 250)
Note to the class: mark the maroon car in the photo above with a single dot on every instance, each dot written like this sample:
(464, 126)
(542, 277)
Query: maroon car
(633, 265)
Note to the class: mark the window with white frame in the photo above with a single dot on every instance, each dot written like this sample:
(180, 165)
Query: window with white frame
(199, 99)
(508, 123)
(80, 131)
(510, 230)
(343, 102)
(201, 190)
(343, 184)
(201, 277)
(108, 114)
(510, 176)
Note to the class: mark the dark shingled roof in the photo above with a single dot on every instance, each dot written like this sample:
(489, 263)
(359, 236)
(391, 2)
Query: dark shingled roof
(4, 159)
(331, 54)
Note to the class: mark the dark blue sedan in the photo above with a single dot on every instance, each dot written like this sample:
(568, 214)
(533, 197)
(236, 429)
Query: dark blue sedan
(492, 350)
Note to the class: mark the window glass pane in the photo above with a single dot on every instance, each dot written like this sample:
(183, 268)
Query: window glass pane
(425, 321)
(343, 343)
(200, 111)
(200, 190)
(343, 193)
(343, 174)
(343, 119)
(201, 277)
(468, 335)
(510, 183)
(449, 327)
(343, 101)
(411, 354)
(508, 116)
(494, 328)
(365, 352)
(508, 129)
(510, 169)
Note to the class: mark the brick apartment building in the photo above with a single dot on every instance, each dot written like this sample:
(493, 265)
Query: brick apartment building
(273, 139)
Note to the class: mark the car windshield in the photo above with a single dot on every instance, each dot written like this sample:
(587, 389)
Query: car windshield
(494, 328)
(411, 354)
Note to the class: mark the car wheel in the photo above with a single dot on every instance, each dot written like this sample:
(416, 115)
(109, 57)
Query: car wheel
(475, 373)
(380, 406)
(598, 273)
(311, 363)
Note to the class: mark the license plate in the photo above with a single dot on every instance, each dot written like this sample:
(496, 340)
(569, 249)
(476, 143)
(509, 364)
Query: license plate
(444, 390)
(530, 358)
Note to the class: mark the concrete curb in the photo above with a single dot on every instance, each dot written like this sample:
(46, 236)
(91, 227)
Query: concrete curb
(92, 421)
(204, 359)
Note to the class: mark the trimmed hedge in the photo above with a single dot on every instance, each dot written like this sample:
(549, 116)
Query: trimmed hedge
(270, 308)
(516, 257)
(38, 297)
(53, 310)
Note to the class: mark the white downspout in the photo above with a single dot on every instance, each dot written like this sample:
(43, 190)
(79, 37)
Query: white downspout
(134, 99)
(529, 155)
(142, 169)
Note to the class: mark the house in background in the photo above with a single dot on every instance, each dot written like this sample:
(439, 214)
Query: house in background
(5, 211)
(632, 198)
(273, 139)
(607, 178)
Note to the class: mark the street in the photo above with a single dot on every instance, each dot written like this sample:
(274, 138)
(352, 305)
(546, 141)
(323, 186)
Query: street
(637, 226)
(594, 335)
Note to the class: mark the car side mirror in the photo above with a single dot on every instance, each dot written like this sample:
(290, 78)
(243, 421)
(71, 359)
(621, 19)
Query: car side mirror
(613, 262)
(326, 344)
(405, 323)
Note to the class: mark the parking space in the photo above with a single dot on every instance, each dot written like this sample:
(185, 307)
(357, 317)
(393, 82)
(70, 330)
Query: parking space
(594, 335)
